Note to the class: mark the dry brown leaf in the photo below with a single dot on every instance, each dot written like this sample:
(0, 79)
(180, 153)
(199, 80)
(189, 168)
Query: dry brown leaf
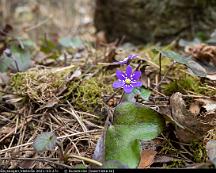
(195, 108)
(101, 38)
(147, 158)
(164, 159)
(6, 130)
(208, 104)
(51, 103)
(28, 164)
(202, 53)
(205, 56)
(193, 127)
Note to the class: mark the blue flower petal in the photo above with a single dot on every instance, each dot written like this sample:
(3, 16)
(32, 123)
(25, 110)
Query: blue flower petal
(136, 75)
(132, 56)
(136, 84)
(129, 71)
(128, 88)
(125, 60)
(118, 84)
(120, 75)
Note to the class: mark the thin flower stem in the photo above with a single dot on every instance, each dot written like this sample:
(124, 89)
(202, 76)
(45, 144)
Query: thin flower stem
(121, 97)
(165, 75)
(137, 68)
(160, 55)
(15, 61)
(113, 95)
(128, 62)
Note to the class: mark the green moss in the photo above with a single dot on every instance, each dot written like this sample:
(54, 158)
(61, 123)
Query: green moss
(175, 164)
(182, 85)
(40, 84)
(207, 90)
(199, 152)
(167, 147)
(87, 94)
(18, 81)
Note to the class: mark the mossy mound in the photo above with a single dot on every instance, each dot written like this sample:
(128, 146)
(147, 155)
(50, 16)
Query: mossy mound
(40, 85)
(87, 95)
(183, 82)
(44, 85)
(182, 85)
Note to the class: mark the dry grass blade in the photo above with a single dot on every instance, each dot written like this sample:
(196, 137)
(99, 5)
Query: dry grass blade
(60, 137)
(12, 132)
(73, 113)
(86, 159)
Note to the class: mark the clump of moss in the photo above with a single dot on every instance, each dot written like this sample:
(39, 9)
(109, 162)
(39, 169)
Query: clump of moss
(87, 95)
(40, 85)
(182, 85)
(199, 152)
(175, 164)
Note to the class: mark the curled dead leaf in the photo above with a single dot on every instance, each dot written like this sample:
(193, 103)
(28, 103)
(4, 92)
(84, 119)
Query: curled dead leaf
(203, 53)
(195, 124)
(147, 158)
(195, 108)
(205, 58)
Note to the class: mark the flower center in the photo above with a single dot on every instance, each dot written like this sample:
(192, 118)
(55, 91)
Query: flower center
(128, 81)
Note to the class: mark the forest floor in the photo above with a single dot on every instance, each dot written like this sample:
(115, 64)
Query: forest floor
(63, 85)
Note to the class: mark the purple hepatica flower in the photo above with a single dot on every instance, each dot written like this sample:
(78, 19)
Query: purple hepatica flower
(124, 61)
(128, 80)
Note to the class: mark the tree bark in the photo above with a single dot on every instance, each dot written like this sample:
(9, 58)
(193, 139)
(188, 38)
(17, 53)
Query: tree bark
(155, 20)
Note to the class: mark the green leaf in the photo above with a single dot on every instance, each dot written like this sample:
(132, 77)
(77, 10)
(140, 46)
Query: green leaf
(26, 43)
(22, 57)
(194, 66)
(4, 63)
(45, 141)
(71, 42)
(141, 92)
(132, 122)
(174, 56)
(48, 46)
